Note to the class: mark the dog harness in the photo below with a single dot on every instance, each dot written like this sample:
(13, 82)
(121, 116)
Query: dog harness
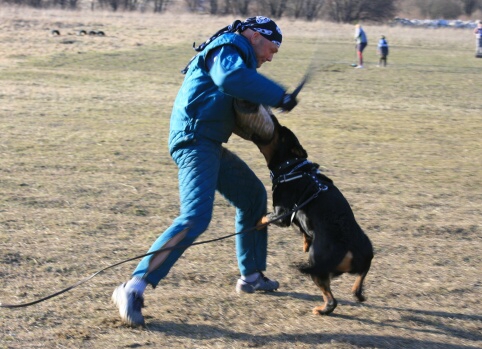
(299, 169)
(296, 170)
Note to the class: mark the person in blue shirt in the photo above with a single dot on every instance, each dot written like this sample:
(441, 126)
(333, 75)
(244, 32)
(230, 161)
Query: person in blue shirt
(361, 43)
(202, 119)
(478, 37)
(382, 50)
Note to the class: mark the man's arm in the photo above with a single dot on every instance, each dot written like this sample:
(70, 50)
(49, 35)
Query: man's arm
(230, 73)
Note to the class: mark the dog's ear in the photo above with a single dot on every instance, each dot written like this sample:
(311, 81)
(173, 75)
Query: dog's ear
(292, 143)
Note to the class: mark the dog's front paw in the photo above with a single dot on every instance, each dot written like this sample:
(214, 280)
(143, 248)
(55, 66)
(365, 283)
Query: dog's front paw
(326, 308)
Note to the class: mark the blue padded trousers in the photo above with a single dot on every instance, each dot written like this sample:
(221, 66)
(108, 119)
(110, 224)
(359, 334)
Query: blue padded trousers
(204, 167)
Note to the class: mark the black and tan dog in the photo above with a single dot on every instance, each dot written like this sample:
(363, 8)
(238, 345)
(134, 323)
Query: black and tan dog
(334, 240)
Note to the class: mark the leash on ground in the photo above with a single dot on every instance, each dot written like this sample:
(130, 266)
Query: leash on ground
(83, 281)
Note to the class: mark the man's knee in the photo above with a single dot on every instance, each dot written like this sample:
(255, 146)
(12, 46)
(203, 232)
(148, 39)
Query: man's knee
(261, 194)
(198, 224)
(257, 199)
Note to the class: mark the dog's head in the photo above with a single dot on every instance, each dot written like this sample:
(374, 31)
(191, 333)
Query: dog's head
(284, 146)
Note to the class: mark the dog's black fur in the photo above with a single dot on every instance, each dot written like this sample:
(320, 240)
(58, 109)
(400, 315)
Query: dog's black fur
(334, 240)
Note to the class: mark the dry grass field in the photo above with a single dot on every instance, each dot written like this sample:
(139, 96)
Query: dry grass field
(86, 181)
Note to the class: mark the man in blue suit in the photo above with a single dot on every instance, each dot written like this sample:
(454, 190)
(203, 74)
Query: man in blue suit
(202, 120)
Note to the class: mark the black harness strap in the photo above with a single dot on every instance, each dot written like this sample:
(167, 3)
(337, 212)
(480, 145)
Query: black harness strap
(295, 172)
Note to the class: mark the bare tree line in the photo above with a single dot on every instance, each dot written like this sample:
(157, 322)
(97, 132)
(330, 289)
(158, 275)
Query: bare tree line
(447, 9)
(345, 11)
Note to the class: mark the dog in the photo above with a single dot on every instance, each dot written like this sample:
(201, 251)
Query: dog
(333, 239)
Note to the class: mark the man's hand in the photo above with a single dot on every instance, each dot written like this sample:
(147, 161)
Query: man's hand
(288, 102)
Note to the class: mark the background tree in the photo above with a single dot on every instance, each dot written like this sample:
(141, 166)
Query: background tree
(313, 8)
(228, 7)
(130, 5)
(309, 9)
(213, 7)
(274, 8)
(470, 6)
(191, 5)
(447, 9)
(347, 11)
(114, 4)
(298, 8)
(160, 5)
(242, 7)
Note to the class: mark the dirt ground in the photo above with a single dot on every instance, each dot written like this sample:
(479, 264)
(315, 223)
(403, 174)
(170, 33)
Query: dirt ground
(86, 181)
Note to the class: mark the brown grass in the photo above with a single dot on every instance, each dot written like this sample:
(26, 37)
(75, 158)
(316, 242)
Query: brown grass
(86, 181)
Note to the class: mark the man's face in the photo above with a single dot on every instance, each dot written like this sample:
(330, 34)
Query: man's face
(263, 48)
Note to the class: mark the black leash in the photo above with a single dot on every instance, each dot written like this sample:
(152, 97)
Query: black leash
(83, 281)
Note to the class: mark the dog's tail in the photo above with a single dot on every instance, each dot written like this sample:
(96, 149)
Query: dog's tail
(306, 268)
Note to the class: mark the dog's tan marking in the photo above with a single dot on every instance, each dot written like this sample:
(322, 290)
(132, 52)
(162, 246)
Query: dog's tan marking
(306, 242)
(345, 265)
(357, 288)
(262, 223)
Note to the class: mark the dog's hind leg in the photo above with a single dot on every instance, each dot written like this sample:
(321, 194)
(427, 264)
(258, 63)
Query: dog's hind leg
(357, 288)
(330, 302)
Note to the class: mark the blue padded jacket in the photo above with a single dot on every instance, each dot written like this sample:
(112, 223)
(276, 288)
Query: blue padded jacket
(204, 103)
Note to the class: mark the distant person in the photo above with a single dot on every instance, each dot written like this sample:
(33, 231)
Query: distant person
(478, 35)
(361, 43)
(382, 51)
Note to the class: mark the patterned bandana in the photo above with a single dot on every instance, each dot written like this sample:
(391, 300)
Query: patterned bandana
(263, 25)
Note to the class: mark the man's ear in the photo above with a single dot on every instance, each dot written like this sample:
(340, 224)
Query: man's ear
(254, 39)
